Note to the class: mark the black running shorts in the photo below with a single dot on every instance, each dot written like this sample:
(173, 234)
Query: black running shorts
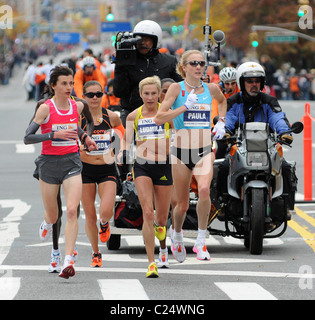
(160, 173)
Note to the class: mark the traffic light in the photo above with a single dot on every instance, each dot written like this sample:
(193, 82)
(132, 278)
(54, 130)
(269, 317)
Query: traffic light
(174, 29)
(113, 40)
(110, 15)
(300, 13)
(253, 39)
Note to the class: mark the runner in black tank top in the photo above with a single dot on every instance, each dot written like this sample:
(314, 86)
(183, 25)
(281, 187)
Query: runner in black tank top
(99, 171)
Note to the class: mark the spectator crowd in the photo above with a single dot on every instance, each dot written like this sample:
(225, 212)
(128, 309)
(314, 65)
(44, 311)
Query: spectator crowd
(286, 83)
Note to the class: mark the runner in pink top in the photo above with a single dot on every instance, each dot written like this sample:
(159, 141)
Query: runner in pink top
(60, 120)
(60, 161)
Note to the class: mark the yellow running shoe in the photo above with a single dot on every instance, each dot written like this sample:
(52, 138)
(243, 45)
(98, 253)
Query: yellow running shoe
(152, 271)
(160, 232)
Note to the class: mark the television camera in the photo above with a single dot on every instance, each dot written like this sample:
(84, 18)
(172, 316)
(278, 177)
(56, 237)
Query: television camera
(125, 45)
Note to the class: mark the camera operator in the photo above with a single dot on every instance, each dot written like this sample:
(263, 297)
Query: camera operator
(148, 62)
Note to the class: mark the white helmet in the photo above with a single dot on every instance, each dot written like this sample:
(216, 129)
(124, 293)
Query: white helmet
(151, 29)
(250, 70)
(88, 62)
(227, 74)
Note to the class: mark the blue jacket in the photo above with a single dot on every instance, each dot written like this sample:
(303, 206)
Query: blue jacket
(267, 110)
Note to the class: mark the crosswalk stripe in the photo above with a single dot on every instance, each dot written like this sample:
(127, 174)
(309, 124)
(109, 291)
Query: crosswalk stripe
(22, 148)
(194, 272)
(245, 291)
(122, 289)
(9, 225)
(137, 240)
(9, 287)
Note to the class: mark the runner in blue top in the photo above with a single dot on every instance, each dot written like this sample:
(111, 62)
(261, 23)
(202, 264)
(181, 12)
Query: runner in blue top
(188, 104)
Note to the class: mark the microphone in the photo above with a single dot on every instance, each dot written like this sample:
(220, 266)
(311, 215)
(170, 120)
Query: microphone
(219, 37)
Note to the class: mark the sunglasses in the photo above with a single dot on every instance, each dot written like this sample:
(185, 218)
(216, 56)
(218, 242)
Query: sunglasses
(195, 63)
(90, 95)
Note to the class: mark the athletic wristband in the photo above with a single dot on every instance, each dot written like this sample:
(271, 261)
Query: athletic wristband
(83, 138)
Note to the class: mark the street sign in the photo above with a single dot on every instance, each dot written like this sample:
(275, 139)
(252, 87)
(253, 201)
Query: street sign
(116, 26)
(66, 37)
(273, 37)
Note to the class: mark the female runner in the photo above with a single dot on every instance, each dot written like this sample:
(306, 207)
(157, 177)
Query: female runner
(152, 169)
(60, 161)
(190, 101)
(99, 169)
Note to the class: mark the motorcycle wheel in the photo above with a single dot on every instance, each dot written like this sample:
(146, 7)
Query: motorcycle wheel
(257, 221)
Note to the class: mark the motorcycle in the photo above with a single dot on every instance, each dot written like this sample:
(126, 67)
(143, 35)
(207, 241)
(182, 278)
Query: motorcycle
(255, 204)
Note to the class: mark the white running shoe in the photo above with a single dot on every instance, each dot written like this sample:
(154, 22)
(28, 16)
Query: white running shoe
(163, 260)
(178, 250)
(171, 233)
(201, 249)
(45, 229)
(55, 262)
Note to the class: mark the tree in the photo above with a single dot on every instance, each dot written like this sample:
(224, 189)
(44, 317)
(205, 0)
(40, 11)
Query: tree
(269, 12)
(219, 16)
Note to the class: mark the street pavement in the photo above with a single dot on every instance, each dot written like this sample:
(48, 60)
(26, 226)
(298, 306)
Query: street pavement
(284, 271)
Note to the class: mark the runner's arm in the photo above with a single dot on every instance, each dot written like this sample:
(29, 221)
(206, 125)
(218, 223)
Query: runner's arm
(30, 134)
(88, 116)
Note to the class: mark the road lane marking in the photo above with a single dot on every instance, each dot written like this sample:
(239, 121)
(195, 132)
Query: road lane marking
(11, 141)
(305, 216)
(193, 272)
(245, 291)
(307, 236)
(122, 289)
(9, 287)
(190, 260)
(22, 148)
(9, 225)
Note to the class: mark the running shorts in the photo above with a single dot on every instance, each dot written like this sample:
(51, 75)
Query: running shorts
(92, 173)
(54, 169)
(160, 173)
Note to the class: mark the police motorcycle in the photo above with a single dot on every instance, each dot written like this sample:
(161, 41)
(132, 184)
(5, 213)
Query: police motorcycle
(255, 204)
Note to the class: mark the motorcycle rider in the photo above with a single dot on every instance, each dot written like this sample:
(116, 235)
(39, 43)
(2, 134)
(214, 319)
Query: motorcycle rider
(228, 83)
(228, 87)
(253, 105)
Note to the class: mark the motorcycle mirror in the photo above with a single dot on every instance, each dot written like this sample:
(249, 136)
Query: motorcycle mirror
(297, 127)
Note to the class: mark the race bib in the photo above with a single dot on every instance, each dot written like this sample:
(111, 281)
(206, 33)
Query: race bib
(61, 142)
(103, 142)
(198, 116)
(148, 130)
